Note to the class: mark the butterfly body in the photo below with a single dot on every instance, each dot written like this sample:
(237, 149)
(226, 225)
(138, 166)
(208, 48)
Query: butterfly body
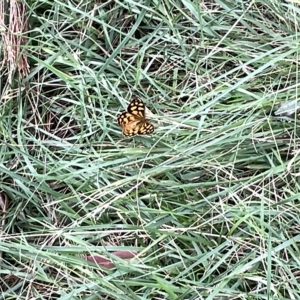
(134, 121)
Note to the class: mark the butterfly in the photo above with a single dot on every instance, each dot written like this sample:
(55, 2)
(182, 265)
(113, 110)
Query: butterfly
(133, 121)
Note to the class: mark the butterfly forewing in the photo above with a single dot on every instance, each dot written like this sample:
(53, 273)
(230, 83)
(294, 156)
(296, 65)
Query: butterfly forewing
(137, 107)
(133, 121)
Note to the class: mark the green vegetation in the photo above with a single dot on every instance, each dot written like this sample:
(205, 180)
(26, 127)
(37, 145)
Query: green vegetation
(209, 203)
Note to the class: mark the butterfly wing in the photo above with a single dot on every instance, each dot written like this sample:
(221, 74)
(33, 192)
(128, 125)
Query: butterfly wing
(137, 108)
(133, 121)
(128, 123)
(146, 128)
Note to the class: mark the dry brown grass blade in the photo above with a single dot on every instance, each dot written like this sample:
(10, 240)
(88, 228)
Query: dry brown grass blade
(3, 210)
(107, 263)
(14, 37)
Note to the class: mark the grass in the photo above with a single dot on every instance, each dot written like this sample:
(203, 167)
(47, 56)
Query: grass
(208, 204)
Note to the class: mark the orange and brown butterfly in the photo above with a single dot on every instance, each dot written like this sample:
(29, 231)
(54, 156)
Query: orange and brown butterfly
(134, 121)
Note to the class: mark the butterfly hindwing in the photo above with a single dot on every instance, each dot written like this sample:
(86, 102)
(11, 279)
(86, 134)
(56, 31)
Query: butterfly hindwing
(124, 118)
(147, 128)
